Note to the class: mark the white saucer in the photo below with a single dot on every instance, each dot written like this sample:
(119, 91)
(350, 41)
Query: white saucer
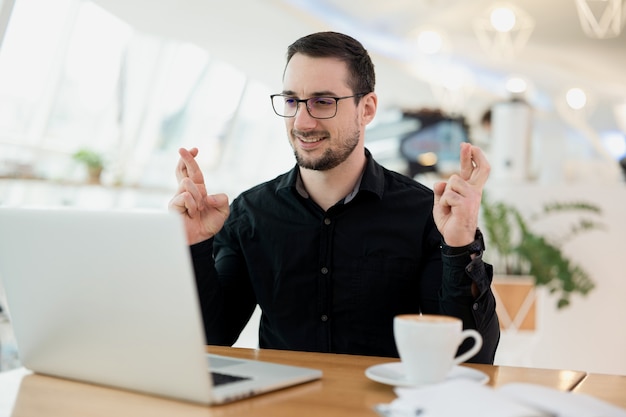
(393, 374)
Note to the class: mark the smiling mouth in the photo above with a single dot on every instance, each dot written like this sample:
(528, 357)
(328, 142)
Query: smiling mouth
(310, 140)
(310, 137)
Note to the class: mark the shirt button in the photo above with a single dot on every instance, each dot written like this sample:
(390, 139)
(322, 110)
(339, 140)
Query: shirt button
(324, 317)
(475, 306)
(326, 221)
(324, 270)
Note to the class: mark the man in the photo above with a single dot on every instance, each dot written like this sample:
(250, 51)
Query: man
(332, 250)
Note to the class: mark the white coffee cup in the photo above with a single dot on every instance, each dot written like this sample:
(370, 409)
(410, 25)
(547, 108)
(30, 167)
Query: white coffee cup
(428, 343)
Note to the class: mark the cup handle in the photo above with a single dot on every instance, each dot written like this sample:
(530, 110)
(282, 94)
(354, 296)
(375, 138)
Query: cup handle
(478, 343)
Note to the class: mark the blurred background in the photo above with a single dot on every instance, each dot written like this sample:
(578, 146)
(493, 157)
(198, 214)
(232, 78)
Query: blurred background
(97, 96)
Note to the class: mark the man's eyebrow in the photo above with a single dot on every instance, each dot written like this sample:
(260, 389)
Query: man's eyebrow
(324, 93)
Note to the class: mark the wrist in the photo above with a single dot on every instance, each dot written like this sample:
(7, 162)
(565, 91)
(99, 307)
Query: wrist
(474, 248)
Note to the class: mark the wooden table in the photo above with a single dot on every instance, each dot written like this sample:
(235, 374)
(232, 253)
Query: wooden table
(344, 390)
(610, 388)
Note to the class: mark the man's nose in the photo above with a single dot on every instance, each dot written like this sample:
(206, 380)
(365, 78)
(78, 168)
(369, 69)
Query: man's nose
(303, 119)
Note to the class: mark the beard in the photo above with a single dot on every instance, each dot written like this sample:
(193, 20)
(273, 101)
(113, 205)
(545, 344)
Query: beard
(332, 156)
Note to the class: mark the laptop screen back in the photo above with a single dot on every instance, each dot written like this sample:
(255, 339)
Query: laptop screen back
(105, 297)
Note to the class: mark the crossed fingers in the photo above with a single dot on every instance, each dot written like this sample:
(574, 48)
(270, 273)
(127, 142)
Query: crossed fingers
(191, 187)
(474, 166)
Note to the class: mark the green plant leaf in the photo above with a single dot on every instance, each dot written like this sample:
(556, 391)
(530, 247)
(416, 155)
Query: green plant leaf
(514, 248)
(89, 157)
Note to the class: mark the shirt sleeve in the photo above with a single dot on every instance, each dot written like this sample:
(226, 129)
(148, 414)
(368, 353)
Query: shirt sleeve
(456, 299)
(225, 294)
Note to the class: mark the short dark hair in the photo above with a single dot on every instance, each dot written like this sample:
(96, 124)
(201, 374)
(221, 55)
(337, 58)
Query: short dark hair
(343, 47)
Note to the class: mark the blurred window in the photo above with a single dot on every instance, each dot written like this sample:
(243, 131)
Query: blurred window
(74, 76)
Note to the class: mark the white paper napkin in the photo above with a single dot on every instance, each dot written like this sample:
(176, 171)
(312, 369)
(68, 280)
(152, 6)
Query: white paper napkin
(469, 399)
(562, 404)
(461, 398)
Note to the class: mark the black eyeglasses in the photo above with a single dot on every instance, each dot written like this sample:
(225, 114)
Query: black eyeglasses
(318, 107)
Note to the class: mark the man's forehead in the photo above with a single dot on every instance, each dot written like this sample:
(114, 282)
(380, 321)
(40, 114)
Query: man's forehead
(315, 75)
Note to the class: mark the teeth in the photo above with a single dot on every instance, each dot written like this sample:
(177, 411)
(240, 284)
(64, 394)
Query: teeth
(310, 140)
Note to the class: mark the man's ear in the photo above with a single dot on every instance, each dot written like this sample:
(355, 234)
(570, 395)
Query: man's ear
(370, 104)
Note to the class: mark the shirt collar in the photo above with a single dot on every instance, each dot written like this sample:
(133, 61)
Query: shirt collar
(372, 180)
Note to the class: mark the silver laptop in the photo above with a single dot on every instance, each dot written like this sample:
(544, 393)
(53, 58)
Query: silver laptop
(109, 297)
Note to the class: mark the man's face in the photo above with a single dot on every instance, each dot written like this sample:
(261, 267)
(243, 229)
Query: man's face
(322, 144)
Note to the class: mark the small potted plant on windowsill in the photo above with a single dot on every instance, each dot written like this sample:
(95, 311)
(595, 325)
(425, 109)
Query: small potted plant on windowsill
(520, 254)
(93, 161)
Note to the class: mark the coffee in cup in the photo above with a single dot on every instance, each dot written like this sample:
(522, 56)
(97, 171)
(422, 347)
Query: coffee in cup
(428, 343)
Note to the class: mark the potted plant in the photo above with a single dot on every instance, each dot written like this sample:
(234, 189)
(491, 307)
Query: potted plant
(516, 249)
(93, 161)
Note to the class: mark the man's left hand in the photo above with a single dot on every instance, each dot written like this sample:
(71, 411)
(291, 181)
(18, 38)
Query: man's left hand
(457, 201)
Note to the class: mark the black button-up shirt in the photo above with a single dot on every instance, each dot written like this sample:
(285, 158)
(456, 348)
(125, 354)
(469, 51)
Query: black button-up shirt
(332, 281)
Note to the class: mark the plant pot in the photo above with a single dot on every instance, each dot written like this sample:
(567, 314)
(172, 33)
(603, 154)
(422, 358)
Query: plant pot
(516, 302)
(94, 175)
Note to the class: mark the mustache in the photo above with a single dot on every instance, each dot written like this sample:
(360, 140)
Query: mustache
(310, 133)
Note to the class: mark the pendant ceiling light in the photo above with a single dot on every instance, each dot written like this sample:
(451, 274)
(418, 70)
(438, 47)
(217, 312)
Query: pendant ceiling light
(503, 30)
(601, 19)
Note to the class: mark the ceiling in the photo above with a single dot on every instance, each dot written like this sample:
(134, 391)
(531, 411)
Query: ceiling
(254, 34)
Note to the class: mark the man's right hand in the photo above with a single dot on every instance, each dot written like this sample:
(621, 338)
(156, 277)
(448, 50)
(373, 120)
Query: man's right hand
(204, 215)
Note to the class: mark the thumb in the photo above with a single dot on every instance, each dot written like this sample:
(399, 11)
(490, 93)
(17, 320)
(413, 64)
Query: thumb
(219, 203)
(438, 189)
(217, 200)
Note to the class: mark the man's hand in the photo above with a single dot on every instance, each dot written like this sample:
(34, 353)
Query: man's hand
(457, 202)
(204, 215)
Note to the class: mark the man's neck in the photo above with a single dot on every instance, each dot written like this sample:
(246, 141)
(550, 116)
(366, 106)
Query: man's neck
(328, 187)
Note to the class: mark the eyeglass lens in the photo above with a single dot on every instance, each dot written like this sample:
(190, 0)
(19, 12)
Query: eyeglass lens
(318, 107)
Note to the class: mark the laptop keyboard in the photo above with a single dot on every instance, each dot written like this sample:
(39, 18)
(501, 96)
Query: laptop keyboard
(222, 379)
